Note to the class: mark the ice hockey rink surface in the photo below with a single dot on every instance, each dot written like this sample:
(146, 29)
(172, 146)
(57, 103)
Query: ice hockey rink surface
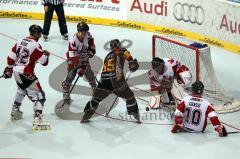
(106, 138)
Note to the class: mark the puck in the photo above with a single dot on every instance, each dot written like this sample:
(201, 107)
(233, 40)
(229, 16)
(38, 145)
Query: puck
(147, 108)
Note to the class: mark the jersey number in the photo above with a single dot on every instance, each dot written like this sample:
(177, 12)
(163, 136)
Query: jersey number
(108, 66)
(193, 116)
(22, 55)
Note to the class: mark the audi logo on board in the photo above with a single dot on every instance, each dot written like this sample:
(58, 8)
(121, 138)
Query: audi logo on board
(188, 13)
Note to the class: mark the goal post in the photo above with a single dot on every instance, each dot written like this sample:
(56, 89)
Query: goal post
(198, 60)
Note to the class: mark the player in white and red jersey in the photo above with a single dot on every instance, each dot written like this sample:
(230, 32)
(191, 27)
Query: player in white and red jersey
(162, 75)
(25, 54)
(81, 48)
(192, 112)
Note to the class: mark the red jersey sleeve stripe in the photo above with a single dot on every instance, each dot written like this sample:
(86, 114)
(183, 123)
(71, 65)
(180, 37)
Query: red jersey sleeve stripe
(181, 107)
(14, 48)
(10, 61)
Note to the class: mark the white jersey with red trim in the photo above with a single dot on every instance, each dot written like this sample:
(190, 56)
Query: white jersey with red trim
(173, 68)
(78, 48)
(26, 53)
(164, 81)
(195, 111)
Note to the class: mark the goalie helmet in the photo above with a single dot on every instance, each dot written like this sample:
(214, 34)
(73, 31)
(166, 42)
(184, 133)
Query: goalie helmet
(35, 29)
(197, 87)
(158, 65)
(82, 26)
(114, 44)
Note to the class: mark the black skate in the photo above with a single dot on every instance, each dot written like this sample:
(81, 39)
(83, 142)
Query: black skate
(45, 37)
(87, 115)
(136, 116)
(171, 99)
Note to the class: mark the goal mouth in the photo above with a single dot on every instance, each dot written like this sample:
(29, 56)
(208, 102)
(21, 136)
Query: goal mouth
(197, 57)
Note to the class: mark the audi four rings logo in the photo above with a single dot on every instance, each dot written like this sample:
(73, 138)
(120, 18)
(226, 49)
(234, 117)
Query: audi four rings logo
(188, 13)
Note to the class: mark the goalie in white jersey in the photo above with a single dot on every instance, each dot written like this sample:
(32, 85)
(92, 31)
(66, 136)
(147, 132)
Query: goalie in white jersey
(192, 112)
(25, 54)
(162, 75)
(81, 47)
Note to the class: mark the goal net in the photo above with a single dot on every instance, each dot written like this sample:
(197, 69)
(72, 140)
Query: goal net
(199, 62)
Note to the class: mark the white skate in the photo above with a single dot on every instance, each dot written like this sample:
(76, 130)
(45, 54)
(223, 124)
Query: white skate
(16, 114)
(39, 124)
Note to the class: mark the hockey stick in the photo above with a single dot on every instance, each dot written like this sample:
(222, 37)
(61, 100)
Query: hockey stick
(64, 101)
(233, 132)
(2, 76)
(116, 98)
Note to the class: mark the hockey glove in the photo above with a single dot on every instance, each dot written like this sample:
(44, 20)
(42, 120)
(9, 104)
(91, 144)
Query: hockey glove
(133, 65)
(47, 53)
(221, 130)
(8, 72)
(176, 128)
(179, 123)
(91, 52)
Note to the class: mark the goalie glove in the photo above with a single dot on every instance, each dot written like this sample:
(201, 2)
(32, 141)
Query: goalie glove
(221, 131)
(133, 65)
(8, 72)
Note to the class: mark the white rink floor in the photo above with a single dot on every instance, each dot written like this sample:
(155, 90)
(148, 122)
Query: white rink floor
(103, 137)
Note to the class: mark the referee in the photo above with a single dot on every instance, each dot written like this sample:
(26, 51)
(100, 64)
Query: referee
(50, 6)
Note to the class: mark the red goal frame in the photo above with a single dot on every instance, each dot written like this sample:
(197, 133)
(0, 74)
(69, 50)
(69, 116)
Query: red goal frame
(155, 37)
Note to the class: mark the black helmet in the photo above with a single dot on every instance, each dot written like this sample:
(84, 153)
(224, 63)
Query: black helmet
(197, 87)
(156, 62)
(82, 26)
(35, 29)
(115, 43)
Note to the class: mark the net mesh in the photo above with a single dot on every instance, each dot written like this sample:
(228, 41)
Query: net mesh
(200, 64)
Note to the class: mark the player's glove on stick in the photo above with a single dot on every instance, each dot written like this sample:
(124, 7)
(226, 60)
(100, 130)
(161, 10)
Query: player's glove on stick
(179, 123)
(91, 52)
(221, 130)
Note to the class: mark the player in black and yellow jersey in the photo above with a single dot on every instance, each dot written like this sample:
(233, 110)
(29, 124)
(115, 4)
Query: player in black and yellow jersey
(113, 81)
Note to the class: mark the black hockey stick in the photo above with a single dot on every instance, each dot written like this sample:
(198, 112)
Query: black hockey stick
(2, 76)
(64, 101)
(233, 132)
(116, 98)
